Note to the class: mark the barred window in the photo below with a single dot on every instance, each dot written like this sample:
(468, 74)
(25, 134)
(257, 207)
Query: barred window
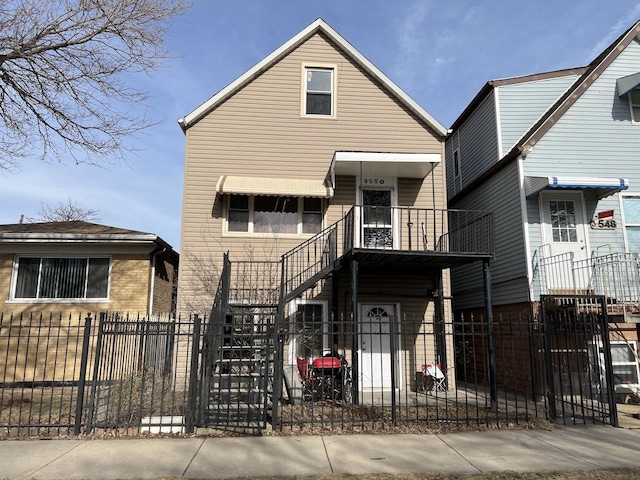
(61, 278)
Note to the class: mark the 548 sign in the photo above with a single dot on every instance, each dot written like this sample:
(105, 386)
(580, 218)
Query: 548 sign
(604, 221)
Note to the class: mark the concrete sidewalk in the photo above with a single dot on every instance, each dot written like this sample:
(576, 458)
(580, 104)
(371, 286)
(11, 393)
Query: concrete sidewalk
(571, 448)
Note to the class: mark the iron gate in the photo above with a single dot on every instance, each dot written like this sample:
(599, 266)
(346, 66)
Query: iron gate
(577, 359)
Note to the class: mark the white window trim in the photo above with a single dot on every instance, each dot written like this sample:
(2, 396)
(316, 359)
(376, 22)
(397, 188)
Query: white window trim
(326, 341)
(303, 92)
(628, 344)
(14, 280)
(631, 105)
(621, 198)
(271, 234)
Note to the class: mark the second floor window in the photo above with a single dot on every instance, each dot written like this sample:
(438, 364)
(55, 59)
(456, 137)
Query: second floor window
(271, 214)
(61, 278)
(319, 91)
(634, 104)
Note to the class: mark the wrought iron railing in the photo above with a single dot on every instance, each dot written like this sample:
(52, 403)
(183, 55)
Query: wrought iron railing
(402, 229)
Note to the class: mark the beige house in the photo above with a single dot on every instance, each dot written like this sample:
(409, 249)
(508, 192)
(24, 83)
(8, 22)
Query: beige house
(72, 268)
(324, 183)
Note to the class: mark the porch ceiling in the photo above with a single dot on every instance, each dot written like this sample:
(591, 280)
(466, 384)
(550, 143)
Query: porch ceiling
(415, 261)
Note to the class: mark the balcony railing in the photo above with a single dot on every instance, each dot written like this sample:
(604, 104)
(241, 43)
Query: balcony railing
(400, 229)
(616, 276)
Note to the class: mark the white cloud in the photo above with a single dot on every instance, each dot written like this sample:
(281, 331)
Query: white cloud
(616, 30)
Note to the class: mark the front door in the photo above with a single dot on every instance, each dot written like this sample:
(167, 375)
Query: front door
(375, 346)
(564, 231)
(377, 218)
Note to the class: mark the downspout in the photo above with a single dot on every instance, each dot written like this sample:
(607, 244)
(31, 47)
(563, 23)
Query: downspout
(152, 279)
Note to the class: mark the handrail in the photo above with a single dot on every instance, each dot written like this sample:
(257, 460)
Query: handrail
(403, 229)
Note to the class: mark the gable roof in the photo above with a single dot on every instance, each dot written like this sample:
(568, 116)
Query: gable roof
(573, 93)
(318, 26)
(491, 84)
(75, 231)
(588, 75)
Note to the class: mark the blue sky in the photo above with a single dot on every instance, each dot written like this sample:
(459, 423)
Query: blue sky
(439, 53)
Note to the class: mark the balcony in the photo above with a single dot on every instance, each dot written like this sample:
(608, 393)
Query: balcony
(615, 276)
(400, 237)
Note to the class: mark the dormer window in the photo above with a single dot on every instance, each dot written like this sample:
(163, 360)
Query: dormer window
(319, 94)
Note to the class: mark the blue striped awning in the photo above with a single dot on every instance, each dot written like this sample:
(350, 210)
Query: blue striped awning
(604, 186)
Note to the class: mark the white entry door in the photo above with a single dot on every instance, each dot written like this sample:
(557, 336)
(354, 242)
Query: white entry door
(565, 232)
(375, 346)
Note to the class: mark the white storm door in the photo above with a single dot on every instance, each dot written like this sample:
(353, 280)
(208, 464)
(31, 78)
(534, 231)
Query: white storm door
(377, 218)
(375, 346)
(564, 233)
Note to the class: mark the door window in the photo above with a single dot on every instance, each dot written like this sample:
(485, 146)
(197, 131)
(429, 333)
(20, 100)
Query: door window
(377, 219)
(563, 220)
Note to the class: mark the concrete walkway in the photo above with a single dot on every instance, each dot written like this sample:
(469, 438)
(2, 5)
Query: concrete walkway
(570, 448)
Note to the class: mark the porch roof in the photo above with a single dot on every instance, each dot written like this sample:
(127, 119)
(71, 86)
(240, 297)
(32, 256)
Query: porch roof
(603, 186)
(384, 164)
(294, 187)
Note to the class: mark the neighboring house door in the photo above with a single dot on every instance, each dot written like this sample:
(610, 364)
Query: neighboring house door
(377, 218)
(564, 236)
(375, 346)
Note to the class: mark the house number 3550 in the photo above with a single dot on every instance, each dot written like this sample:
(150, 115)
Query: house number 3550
(374, 181)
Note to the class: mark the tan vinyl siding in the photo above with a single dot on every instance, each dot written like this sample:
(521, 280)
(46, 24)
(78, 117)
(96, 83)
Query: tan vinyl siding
(260, 131)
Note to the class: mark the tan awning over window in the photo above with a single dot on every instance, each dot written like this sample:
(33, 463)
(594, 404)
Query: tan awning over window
(291, 187)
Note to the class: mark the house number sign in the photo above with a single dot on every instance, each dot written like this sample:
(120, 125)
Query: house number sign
(603, 221)
(373, 181)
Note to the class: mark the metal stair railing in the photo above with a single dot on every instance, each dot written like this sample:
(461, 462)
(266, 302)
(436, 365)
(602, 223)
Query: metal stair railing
(314, 258)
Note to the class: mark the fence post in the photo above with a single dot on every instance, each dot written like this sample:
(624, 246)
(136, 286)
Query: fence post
(194, 388)
(491, 345)
(83, 374)
(548, 360)
(96, 373)
(606, 347)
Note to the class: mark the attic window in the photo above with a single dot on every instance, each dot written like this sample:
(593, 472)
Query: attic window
(318, 91)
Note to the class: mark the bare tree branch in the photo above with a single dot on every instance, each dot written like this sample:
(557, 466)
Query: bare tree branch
(65, 211)
(63, 75)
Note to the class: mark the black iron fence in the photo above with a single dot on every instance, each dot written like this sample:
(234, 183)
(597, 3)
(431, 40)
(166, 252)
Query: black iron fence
(65, 375)
(408, 374)
(71, 375)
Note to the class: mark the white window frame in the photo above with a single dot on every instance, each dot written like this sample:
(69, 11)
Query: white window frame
(626, 224)
(633, 363)
(303, 103)
(631, 105)
(14, 281)
(326, 340)
(250, 225)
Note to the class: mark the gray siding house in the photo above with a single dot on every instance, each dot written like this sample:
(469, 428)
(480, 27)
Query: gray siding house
(554, 155)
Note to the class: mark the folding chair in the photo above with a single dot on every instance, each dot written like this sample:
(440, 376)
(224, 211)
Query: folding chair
(434, 378)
